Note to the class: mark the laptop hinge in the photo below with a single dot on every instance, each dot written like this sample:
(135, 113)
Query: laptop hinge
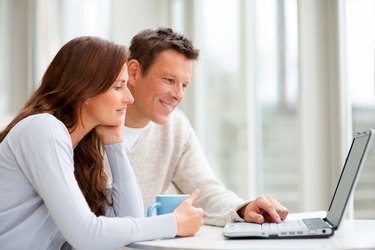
(329, 223)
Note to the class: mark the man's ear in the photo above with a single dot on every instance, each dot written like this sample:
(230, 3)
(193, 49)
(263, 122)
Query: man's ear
(134, 71)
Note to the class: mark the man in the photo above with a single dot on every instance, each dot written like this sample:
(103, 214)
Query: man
(161, 144)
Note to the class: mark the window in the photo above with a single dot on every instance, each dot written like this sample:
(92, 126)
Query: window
(57, 22)
(266, 101)
(360, 37)
(276, 82)
(246, 95)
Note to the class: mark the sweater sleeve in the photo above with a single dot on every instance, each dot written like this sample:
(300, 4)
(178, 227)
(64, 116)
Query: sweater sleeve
(220, 204)
(125, 193)
(49, 167)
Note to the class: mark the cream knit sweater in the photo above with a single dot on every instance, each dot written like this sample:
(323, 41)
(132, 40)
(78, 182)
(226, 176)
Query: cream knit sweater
(168, 158)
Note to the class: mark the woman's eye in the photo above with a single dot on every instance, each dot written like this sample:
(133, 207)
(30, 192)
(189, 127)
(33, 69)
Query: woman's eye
(117, 87)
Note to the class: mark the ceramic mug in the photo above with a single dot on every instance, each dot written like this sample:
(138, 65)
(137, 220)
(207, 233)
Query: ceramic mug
(166, 203)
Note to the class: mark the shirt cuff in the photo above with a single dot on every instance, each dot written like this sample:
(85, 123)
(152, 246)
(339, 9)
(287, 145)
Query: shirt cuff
(234, 213)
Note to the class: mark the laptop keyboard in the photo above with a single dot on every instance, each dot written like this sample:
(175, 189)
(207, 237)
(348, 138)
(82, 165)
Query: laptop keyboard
(274, 227)
(284, 226)
(288, 225)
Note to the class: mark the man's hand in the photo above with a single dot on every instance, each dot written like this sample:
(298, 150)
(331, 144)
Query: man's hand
(263, 208)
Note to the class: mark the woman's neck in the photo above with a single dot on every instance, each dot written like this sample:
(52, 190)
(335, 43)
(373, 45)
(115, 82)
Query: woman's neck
(78, 133)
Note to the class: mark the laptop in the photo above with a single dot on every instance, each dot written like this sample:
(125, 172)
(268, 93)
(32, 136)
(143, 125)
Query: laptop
(314, 227)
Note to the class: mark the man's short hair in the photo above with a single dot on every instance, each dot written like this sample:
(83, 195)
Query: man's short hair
(148, 44)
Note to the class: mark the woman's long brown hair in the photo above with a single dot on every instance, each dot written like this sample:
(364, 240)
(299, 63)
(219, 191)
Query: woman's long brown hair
(84, 67)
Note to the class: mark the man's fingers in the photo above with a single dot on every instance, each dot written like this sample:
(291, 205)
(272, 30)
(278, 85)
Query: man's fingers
(274, 216)
(281, 211)
(265, 207)
(255, 217)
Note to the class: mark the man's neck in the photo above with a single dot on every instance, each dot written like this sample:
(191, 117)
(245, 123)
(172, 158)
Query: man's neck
(132, 120)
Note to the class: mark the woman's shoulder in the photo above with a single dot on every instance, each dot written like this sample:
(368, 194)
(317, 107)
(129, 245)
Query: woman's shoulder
(40, 121)
(38, 125)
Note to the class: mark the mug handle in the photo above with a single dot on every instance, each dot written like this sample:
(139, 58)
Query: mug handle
(151, 208)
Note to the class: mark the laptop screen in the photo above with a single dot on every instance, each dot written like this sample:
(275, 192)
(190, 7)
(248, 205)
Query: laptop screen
(348, 176)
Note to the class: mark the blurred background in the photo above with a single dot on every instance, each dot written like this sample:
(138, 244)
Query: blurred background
(279, 89)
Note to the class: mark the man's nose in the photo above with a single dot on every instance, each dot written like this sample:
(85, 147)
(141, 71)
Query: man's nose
(178, 92)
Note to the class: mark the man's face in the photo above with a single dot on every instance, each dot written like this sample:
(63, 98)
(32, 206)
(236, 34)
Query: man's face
(158, 93)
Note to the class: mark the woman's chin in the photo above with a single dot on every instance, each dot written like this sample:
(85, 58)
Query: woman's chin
(120, 123)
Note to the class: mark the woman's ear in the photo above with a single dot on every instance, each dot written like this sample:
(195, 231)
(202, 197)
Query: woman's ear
(134, 71)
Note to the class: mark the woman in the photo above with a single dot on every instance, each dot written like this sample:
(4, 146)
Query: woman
(51, 160)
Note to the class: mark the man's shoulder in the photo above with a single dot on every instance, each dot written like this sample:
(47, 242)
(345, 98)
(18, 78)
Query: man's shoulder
(178, 116)
(168, 138)
(177, 123)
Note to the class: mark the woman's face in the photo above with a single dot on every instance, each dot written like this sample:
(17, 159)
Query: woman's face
(109, 108)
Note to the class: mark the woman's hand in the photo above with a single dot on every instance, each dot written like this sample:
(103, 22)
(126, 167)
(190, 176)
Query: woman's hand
(109, 134)
(189, 219)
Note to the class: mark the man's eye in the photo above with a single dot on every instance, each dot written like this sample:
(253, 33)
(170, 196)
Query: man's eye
(169, 80)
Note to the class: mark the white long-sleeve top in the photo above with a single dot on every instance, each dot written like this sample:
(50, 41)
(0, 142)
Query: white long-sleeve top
(39, 194)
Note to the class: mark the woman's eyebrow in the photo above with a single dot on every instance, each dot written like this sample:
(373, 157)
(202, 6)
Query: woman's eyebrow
(120, 80)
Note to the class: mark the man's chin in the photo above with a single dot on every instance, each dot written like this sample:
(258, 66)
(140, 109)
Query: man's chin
(161, 120)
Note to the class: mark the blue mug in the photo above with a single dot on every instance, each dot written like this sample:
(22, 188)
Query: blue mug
(166, 203)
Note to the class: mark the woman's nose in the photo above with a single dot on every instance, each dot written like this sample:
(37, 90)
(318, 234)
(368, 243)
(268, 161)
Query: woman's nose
(128, 97)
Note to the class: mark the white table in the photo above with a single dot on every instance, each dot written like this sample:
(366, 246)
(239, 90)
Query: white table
(352, 234)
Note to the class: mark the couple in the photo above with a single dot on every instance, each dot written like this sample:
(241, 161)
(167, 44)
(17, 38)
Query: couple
(53, 180)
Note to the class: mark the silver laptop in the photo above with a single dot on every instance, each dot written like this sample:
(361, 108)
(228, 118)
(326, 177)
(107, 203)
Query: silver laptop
(313, 227)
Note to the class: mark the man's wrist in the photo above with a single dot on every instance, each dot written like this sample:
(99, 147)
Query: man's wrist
(241, 211)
